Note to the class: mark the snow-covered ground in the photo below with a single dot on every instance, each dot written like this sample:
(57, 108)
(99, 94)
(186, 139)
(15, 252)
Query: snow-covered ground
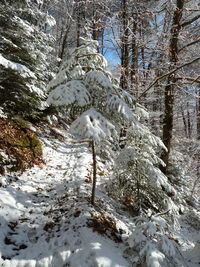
(46, 218)
(44, 214)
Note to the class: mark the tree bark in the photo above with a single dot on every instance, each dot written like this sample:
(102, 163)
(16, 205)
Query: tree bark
(171, 81)
(124, 47)
(94, 172)
(78, 27)
(198, 116)
(189, 122)
(134, 58)
(184, 122)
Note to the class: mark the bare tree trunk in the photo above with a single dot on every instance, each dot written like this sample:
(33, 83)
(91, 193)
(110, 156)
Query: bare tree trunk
(94, 22)
(94, 172)
(78, 27)
(142, 49)
(184, 121)
(64, 41)
(169, 89)
(102, 41)
(124, 46)
(189, 122)
(134, 58)
(198, 117)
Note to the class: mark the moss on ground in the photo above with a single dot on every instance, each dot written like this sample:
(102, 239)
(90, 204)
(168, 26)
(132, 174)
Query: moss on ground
(20, 143)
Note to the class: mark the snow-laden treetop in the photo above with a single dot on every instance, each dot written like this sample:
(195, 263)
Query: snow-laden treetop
(83, 81)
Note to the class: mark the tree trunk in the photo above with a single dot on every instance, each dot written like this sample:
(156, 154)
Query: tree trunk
(134, 58)
(184, 121)
(94, 172)
(198, 117)
(189, 122)
(64, 42)
(78, 27)
(124, 47)
(169, 89)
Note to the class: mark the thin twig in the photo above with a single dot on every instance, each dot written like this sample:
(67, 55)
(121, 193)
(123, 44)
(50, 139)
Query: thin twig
(161, 213)
(168, 74)
(190, 21)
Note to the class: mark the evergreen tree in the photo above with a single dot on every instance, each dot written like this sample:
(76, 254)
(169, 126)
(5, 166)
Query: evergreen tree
(137, 178)
(87, 91)
(24, 47)
(85, 88)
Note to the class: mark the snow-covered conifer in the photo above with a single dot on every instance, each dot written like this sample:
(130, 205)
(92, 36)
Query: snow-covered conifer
(137, 175)
(84, 85)
(87, 90)
(24, 46)
(152, 243)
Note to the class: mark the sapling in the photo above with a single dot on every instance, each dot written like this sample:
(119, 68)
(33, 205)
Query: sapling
(85, 88)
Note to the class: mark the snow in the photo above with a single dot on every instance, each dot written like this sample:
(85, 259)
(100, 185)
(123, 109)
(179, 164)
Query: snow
(69, 93)
(2, 115)
(44, 214)
(119, 106)
(91, 124)
(23, 70)
(98, 78)
(24, 25)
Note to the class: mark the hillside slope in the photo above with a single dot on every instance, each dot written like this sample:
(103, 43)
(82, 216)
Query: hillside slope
(47, 220)
(45, 213)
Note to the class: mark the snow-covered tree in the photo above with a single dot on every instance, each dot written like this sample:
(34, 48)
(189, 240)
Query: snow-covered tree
(24, 47)
(137, 178)
(87, 90)
(152, 243)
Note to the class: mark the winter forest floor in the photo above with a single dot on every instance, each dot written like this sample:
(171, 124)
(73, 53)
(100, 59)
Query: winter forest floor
(46, 218)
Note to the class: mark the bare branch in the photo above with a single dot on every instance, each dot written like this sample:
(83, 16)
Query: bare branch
(196, 80)
(190, 21)
(192, 10)
(168, 74)
(161, 213)
(189, 44)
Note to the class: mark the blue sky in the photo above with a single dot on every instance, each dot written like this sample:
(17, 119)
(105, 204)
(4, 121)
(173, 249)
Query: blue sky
(110, 52)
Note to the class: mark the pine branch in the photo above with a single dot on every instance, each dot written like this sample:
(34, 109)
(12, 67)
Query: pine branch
(86, 55)
(167, 74)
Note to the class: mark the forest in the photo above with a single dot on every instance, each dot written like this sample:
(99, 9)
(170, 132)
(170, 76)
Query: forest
(99, 133)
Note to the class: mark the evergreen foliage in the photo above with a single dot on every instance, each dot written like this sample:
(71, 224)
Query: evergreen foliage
(101, 108)
(136, 173)
(83, 84)
(152, 243)
(24, 46)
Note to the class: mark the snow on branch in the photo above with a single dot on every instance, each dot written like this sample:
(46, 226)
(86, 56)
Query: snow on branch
(117, 105)
(23, 70)
(69, 93)
(93, 78)
(126, 97)
(91, 124)
(150, 239)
